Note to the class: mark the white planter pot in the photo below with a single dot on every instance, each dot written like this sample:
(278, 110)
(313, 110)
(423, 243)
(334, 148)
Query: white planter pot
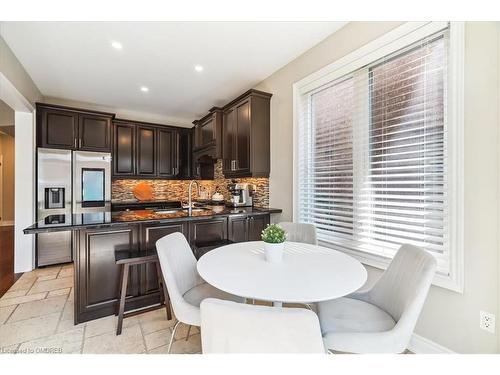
(274, 252)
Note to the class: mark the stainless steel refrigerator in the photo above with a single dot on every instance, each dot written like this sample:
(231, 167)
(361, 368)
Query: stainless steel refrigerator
(69, 182)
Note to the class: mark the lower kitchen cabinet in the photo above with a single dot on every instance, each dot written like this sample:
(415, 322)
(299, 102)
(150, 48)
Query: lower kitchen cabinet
(151, 234)
(256, 225)
(206, 233)
(97, 276)
(237, 229)
(247, 228)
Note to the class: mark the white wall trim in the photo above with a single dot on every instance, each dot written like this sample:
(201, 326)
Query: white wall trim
(1, 185)
(394, 40)
(386, 44)
(421, 345)
(24, 205)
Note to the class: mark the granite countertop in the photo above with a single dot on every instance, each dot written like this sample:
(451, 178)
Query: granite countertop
(59, 223)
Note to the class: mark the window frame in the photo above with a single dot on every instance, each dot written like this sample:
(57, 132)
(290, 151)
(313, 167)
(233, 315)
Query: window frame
(387, 44)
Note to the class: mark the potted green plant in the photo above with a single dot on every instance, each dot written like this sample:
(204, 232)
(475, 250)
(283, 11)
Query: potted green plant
(274, 238)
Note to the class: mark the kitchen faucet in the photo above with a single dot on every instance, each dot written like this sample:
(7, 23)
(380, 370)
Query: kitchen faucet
(190, 200)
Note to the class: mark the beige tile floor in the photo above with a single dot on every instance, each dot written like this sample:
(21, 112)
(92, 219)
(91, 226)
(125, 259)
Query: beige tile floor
(36, 316)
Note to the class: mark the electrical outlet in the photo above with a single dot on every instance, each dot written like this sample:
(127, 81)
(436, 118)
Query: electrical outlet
(487, 321)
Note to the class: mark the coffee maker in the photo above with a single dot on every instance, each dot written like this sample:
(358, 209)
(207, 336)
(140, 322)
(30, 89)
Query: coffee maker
(241, 194)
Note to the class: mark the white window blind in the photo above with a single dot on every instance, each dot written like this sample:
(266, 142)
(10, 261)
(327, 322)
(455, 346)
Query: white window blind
(372, 154)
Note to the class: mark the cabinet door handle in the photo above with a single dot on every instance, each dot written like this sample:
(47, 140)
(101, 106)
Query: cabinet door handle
(80, 143)
(75, 143)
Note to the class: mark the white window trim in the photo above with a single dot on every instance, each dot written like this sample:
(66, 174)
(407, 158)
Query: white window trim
(396, 39)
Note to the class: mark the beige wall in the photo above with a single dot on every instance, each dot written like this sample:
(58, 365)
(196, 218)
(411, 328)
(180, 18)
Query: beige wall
(6, 115)
(449, 319)
(16, 74)
(7, 187)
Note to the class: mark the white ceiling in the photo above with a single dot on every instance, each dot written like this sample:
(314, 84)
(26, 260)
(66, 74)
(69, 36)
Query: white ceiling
(75, 60)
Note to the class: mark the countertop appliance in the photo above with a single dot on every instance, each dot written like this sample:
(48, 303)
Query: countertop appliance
(241, 194)
(68, 182)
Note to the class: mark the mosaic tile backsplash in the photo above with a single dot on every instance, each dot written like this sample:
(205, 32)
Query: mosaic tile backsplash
(121, 190)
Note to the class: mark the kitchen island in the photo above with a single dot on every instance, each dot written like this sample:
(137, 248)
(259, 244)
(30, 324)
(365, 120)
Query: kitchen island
(97, 236)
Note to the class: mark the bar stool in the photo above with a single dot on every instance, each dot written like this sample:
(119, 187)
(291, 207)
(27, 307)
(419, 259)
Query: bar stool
(127, 258)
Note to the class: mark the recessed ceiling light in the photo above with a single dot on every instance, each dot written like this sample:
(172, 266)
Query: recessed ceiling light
(144, 89)
(116, 45)
(198, 68)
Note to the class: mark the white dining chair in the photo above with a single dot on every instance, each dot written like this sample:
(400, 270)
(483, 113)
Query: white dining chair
(185, 287)
(228, 327)
(381, 319)
(300, 232)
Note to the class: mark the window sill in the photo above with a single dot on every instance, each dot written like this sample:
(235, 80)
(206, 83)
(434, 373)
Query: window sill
(379, 262)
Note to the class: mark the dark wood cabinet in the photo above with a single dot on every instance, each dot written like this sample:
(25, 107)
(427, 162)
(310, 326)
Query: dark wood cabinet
(205, 234)
(249, 228)
(73, 129)
(151, 234)
(237, 229)
(146, 151)
(208, 132)
(138, 149)
(123, 149)
(57, 128)
(256, 224)
(97, 275)
(242, 137)
(245, 135)
(151, 151)
(168, 156)
(94, 133)
(228, 141)
(206, 231)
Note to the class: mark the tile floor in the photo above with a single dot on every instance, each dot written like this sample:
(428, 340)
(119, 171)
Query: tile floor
(36, 316)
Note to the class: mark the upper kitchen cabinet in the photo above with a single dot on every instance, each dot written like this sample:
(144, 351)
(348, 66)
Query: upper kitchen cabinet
(143, 150)
(208, 132)
(123, 149)
(245, 135)
(94, 133)
(168, 159)
(146, 150)
(73, 129)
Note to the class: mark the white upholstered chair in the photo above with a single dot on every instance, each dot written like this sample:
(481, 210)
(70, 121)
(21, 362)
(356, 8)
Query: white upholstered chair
(300, 232)
(228, 327)
(382, 319)
(185, 287)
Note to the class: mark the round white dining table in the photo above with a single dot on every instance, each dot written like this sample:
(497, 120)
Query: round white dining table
(307, 273)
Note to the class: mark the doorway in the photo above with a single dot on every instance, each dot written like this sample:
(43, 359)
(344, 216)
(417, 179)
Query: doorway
(7, 191)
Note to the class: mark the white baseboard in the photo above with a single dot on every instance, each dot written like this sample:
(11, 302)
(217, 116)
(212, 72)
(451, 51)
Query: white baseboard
(421, 345)
(6, 223)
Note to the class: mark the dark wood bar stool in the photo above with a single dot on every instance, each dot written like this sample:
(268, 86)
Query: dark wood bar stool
(126, 259)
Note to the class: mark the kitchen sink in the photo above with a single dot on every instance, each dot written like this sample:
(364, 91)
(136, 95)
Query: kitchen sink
(197, 209)
(170, 211)
(173, 211)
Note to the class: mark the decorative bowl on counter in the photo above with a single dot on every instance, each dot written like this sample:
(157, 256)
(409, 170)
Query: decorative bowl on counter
(143, 191)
